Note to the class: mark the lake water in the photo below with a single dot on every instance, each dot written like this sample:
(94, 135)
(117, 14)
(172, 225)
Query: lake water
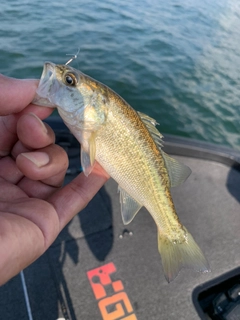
(177, 61)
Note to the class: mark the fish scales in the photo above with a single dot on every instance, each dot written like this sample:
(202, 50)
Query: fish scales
(137, 165)
(128, 146)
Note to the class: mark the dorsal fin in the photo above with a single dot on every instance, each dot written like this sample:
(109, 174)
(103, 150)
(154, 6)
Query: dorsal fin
(177, 171)
(151, 123)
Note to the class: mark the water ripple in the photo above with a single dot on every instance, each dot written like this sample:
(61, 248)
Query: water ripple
(177, 62)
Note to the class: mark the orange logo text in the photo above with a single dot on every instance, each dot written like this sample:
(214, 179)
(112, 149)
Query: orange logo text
(115, 304)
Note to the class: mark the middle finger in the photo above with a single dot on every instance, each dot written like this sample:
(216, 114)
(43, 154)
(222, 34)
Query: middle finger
(33, 133)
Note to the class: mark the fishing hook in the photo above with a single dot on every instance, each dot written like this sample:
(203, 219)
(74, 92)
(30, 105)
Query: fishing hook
(74, 56)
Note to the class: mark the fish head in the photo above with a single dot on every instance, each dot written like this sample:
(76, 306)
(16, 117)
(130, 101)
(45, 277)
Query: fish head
(80, 100)
(59, 87)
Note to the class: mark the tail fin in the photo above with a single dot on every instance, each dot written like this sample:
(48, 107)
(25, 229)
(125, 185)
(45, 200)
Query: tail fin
(176, 256)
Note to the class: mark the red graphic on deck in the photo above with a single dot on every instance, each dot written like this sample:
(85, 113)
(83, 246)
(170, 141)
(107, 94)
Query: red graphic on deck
(115, 306)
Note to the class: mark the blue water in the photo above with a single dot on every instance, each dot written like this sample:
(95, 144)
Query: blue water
(177, 61)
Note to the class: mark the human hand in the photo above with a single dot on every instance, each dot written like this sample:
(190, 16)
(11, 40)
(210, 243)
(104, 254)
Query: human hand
(33, 206)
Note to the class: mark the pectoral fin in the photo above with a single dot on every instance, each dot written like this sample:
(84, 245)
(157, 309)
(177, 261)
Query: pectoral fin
(86, 163)
(177, 171)
(92, 148)
(88, 158)
(129, 206)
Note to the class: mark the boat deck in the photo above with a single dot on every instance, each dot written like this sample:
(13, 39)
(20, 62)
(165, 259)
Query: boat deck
(100, 269)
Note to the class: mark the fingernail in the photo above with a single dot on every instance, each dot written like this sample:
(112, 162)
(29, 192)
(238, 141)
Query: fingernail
(40, 159)
(40, 121)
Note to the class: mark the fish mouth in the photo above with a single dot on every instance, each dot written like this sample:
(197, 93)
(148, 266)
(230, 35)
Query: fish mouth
(47, 83)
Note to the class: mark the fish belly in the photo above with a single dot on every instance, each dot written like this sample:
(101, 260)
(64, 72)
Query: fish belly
(129, 155)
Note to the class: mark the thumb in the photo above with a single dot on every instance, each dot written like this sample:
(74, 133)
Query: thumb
(15, 94)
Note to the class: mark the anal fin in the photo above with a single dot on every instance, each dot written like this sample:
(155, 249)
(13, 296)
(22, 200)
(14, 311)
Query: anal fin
(129, 206)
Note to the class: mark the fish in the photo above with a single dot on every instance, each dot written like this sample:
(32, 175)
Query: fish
(127, 144)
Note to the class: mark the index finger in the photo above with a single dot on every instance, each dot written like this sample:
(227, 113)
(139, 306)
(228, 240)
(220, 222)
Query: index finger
(73, 197)
(15, 100)
(15, 94)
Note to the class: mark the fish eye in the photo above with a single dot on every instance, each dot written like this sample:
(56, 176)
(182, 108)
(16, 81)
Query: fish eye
(70, 79)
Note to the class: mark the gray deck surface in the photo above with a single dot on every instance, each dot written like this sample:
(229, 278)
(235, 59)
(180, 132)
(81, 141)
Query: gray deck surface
(208, 204)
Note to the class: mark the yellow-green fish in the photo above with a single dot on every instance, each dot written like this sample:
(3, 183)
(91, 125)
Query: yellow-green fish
(127, 145)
